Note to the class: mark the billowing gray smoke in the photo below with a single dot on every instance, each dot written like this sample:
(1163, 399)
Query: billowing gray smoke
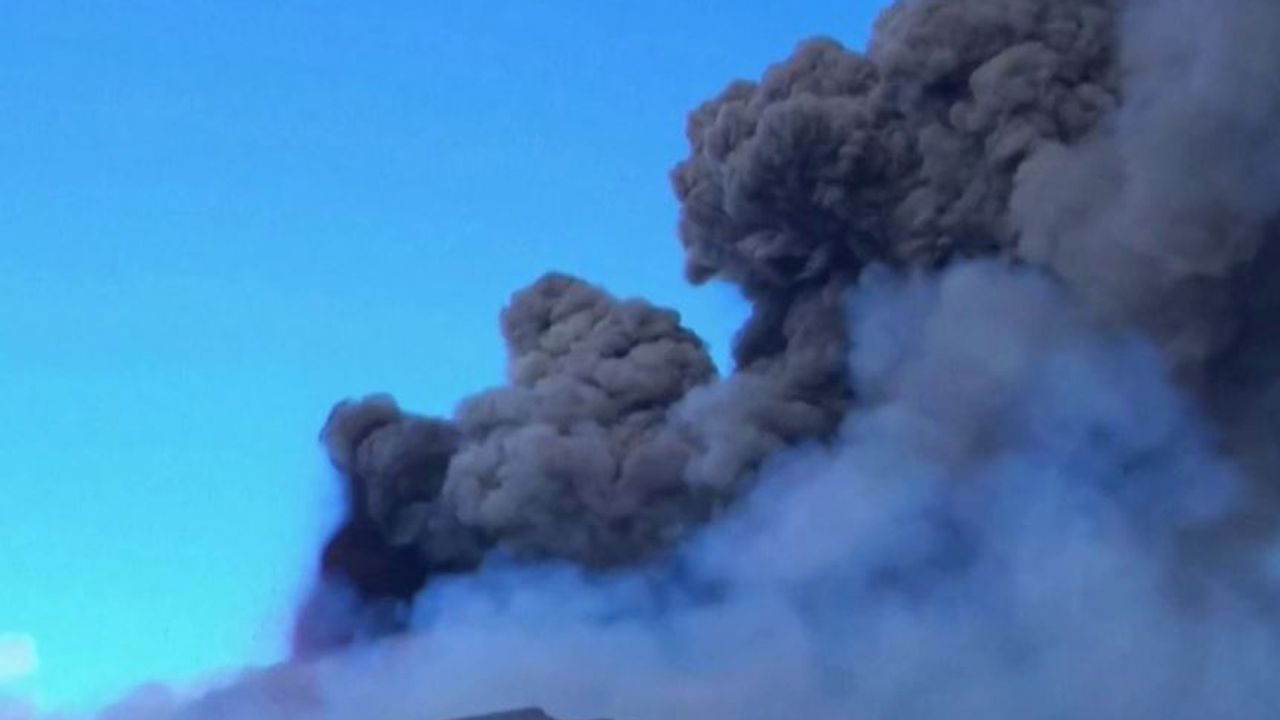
(598, 452)
(575, 459)
(1002, 440)
(1166, 220)
(1004, 525)
(1138, 172)
(906, 156)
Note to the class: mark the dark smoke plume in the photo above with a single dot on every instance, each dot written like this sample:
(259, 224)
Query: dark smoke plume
(905, 155)
(1053, 133)
(575, 459)
(1002, 438)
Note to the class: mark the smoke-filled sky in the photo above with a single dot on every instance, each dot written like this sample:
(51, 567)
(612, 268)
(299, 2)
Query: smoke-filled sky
(995, 435)
(217, 218)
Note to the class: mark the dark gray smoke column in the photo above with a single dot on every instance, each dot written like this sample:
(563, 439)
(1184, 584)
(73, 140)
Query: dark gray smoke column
(597, 451)
(1037, 485)
(905, 155)
(392, 464)
(1169, 219)
(1126, 148)
(1141, 173)
(573, 459)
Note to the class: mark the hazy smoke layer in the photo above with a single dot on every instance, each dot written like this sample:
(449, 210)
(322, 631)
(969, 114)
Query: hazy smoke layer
(1005, 526)
(1040, 485)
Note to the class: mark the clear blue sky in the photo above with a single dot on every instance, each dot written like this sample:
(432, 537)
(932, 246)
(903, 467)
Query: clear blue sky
(216, 218)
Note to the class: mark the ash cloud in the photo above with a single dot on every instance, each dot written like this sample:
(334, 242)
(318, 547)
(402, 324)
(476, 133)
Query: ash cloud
(1000, 529)
(575, 459)
(1000, 440)
(609, 445)
(1121, 154)
(1167, 219)
(1124, 149)
(1004, 526)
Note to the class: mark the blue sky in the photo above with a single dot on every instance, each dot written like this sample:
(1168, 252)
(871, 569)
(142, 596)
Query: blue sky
(217, 218)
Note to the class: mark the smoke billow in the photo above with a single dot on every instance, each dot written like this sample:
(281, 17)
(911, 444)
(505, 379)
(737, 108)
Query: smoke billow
(575, 459)
(1002, 438)
(1167, 219)
(1004, 525)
